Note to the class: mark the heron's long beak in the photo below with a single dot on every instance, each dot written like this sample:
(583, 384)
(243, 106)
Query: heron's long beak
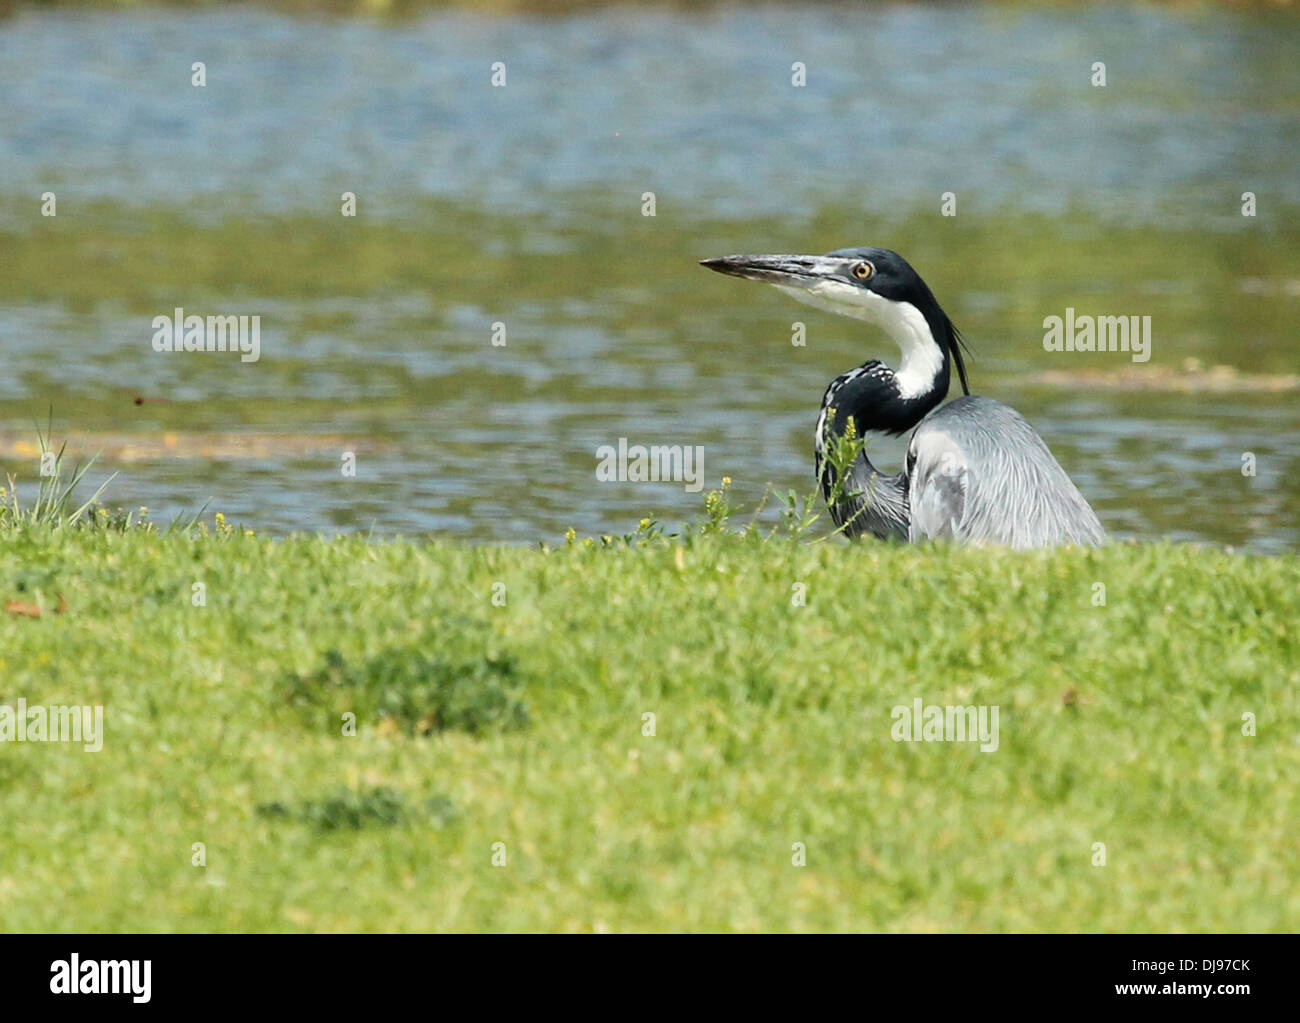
(789, 271)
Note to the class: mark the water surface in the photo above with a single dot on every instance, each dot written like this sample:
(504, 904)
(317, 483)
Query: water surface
(523, 205)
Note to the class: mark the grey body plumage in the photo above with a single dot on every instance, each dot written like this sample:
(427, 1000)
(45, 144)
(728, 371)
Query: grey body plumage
(976, 472)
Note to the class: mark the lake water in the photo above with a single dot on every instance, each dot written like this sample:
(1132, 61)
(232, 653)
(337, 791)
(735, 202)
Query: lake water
(523, 205)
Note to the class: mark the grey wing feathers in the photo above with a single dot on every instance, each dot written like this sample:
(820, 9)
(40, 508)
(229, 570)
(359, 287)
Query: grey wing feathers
(979, 473)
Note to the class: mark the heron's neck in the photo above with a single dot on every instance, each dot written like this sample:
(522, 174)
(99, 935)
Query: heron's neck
(920, 333)
(923, 368)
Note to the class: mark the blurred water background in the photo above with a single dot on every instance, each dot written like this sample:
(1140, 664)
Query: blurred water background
(523, 205)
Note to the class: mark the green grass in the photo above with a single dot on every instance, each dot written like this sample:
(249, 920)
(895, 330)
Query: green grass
(522, 724)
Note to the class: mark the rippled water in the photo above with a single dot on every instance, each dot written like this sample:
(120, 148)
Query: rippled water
(522, 205)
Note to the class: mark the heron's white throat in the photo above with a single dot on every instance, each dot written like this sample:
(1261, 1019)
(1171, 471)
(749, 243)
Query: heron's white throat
(922, 356)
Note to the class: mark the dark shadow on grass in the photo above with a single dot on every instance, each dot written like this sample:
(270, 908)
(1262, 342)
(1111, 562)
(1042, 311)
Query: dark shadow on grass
(421, 688)
(345, 809)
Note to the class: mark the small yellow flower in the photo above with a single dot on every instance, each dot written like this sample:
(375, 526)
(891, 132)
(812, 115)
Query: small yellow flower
(726, 481)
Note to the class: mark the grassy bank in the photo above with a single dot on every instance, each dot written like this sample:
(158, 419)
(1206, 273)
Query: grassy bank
(523, 724)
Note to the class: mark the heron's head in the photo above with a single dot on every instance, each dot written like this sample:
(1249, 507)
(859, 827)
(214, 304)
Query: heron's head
(876, 285)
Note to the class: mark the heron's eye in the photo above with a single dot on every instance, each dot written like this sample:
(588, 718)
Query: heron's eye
(863, 270)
